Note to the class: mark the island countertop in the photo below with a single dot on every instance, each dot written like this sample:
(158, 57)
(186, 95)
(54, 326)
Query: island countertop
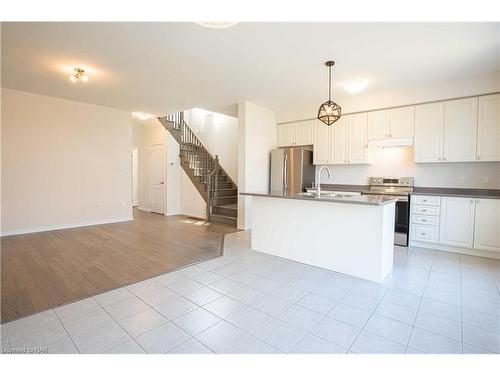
(371, 200)
(418, 190)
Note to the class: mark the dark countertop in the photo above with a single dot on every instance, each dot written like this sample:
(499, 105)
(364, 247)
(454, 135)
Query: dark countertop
(438, 191)
(370, 200)
(456, 192)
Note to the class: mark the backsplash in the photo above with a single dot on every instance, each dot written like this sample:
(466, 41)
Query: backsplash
(398, 162)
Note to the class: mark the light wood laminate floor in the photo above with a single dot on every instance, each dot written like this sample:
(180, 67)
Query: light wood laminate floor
(44, 270)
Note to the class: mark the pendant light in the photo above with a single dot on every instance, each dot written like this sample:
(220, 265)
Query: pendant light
(329, 111)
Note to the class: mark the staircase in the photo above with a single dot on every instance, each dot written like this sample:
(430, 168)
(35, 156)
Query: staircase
(212, 182)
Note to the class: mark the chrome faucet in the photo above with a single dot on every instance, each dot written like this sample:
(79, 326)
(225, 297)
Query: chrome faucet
(318, 188)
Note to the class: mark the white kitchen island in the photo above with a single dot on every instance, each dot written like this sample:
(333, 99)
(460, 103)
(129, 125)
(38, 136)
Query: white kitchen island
(351, 235)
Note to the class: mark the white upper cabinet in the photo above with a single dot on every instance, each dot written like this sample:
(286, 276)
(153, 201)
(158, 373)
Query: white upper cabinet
(304, 133)
(286, 135)
(460, 130)
(321, 144)
(338, 141)
(487, 227)
(402, 122)
(429, 128)
(488, 131)
(391, 123)
(358, 138)
(298, 133)
(456, 226)
(379, 123)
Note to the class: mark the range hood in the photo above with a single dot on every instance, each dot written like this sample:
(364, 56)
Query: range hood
(390, 142)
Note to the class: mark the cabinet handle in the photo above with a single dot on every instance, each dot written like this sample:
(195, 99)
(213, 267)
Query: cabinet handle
(423, 234)
(424, 200)
(424, 220)
(424, 210)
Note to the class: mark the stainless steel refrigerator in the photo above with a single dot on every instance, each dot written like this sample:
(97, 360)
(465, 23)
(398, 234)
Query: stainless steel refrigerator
(292, 169)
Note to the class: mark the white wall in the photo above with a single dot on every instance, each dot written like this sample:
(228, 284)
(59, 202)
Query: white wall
(64, 163)
(403, 96)
(398, 162)
(257, 136)
(219, 134)
(181, 195)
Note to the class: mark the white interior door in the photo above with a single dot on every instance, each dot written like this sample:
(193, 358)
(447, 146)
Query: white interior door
(135, 177)
(157, 178)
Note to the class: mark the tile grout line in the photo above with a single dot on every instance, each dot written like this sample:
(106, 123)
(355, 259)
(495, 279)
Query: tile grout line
(420, 304)
(133, 338)
(70, 337)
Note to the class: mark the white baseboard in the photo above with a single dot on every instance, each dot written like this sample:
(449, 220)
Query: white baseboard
(455, 249)
(141, 208)
(65, 226)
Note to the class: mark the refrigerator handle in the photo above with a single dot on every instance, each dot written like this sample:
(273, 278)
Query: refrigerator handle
(285, 172)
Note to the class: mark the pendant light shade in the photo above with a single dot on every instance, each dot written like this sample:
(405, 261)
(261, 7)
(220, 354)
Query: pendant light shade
(329, 111)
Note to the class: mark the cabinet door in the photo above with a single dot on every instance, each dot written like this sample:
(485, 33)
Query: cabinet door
(456, 226)
(286, 135)
(321, 145)
(358, 138)
(402, 122)
(379, 124)
(487, 225)
(304, 133)
(488, 131)
(429, 124)
(338, 144)
(460, 130)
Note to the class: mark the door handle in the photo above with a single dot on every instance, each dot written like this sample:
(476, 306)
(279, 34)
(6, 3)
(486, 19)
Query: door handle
(161, 182)
(285, 172)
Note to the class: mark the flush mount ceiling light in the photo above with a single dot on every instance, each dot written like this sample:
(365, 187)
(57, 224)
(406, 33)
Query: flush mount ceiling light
(142, 116)
(354, 86)
(329, 111)
(216, 25)
(79, 74)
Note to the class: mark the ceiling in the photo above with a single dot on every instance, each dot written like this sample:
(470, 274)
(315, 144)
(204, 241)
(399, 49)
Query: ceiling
(165, 67)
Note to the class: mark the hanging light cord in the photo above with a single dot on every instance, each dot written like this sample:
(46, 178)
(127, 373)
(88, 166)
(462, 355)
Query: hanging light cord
(330, 83)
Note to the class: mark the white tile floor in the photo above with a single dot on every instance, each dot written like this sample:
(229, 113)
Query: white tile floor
(248, 302)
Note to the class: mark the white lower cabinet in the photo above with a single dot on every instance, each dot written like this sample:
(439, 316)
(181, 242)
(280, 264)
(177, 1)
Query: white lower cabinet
(456, 225)
(487, 226)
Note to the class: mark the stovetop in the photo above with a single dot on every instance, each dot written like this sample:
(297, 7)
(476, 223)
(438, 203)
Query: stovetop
(390, 185)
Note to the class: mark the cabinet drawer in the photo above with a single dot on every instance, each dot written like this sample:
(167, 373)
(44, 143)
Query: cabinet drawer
(425, 233)
(425, 210)
(425, 219)
(426, 200)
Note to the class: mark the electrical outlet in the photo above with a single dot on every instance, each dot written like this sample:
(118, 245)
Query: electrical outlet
(462, 180)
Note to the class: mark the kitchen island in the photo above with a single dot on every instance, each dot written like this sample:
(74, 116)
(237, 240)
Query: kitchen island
(348, 234)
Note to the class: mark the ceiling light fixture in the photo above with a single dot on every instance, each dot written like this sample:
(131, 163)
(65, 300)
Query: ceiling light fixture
(216, 25)
(79, 74)
(142, 116)
(355, 86)
(329, 111)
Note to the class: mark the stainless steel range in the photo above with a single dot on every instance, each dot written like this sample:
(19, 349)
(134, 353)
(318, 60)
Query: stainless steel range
(401, 187)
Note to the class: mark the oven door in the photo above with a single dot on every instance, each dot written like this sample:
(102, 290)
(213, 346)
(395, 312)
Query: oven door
(402, 221)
